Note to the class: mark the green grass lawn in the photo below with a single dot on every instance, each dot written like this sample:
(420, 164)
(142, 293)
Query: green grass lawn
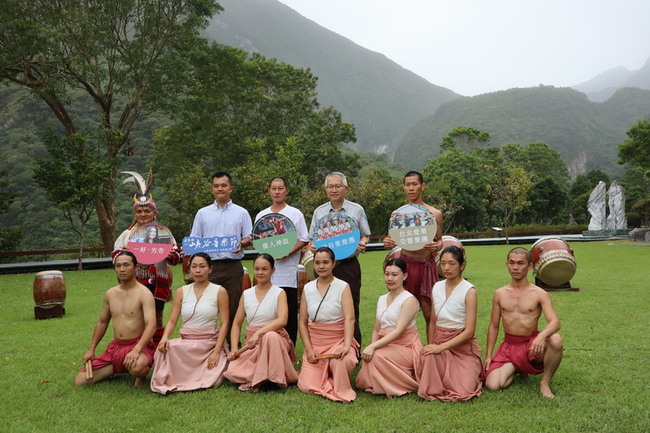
(601, 384)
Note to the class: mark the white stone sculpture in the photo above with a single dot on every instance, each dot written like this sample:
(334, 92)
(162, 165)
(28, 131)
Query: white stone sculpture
(596, 207)
(616, 219)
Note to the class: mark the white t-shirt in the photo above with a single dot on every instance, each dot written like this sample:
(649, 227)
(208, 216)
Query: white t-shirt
(286, 270)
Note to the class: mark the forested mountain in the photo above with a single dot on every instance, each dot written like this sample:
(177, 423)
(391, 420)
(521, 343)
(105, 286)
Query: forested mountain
(603, 86)
(585, 133)
(382, 99)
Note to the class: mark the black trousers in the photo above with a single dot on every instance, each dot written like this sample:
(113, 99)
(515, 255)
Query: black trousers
(349, 270)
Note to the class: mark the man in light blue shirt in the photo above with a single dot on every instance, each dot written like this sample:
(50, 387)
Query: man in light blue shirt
(224, 218)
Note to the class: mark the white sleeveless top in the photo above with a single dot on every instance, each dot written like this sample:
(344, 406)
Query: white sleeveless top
(331, 310)
(207, 307)
(452, 313)
(264, 312)
(388, 316)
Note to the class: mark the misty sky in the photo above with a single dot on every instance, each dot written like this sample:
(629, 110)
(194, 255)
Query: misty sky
(479, 46)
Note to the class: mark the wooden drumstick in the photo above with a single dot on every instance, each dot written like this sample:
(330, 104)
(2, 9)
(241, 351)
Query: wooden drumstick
(325, 356)
(241, 350)
(89, 370)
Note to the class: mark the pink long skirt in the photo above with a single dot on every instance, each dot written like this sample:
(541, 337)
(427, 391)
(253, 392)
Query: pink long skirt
(271, 360)
(329, 378)
(184, 367)
(452, 375)
(392, 369)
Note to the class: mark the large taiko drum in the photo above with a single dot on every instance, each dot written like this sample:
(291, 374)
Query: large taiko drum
(49, 294)
(392, 254)
(448, 241)
(553, 261)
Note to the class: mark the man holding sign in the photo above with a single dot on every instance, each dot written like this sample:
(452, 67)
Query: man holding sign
(224, 219)
(286, 266)
(347, 268)
(156, 275)
(421, 263)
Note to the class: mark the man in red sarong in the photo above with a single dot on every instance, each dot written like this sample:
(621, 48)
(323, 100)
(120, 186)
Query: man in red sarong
(525, 350)
(421, 264)
(131, 307)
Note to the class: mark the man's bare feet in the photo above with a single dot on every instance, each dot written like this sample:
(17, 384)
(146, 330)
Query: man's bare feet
(545, 390)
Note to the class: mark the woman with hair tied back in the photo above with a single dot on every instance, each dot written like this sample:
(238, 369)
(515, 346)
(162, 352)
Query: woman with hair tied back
(451, 363)
(327, 332)
(390, 361)
(198, 359)
(268, 354)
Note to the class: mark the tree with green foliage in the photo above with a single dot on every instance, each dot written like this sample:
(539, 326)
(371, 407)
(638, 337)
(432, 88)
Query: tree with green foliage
(9, 236)
(72, 177)
(379, 193)
(256, 118)
(460, 179)
(636, 149)
(549, 193)
(579, 194)
(465, 138)
(508, 192)
(124, 56)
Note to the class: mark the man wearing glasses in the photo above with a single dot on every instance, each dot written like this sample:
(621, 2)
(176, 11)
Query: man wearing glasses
(348, 270)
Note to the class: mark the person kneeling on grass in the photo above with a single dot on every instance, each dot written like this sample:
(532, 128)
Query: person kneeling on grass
(267, 357)
(525, 349)
(131, 306)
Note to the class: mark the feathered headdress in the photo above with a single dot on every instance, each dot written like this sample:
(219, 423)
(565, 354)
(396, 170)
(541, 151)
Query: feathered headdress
(142, 197)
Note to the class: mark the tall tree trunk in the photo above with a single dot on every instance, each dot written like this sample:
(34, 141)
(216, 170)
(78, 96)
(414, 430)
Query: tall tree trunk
(80, 265)
(106, 217)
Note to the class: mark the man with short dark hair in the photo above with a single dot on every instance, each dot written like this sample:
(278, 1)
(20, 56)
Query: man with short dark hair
(130, 305)
(224, 218)
(421, 264)
(525, 350)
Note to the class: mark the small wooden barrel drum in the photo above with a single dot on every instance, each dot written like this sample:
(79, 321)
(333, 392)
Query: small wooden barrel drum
(187, 275)
(553, 261)
(448, 241)
(246, 283)
(305, 270)
(49, 294)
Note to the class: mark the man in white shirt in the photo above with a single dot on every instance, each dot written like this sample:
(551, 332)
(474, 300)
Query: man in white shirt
(286, 268)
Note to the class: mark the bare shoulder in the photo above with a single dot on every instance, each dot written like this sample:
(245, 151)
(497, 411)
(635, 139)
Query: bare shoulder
(538, 292)
(143, 290)
(111, 292)
(436, 212)
(501, 291)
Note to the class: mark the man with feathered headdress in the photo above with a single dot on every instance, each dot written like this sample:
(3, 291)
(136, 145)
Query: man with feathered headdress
(158, 277)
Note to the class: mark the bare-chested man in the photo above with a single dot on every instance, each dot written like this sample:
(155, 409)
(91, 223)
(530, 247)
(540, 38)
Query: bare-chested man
(525, 349)
(421, 264)
(131, 306)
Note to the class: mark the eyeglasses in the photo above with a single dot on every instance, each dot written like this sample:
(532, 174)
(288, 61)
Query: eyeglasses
(335, 186)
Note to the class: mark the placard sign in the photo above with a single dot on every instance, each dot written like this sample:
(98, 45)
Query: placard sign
(150, 243)
(339, 232)
(411, 226)
(217, 244)
(274, 234)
